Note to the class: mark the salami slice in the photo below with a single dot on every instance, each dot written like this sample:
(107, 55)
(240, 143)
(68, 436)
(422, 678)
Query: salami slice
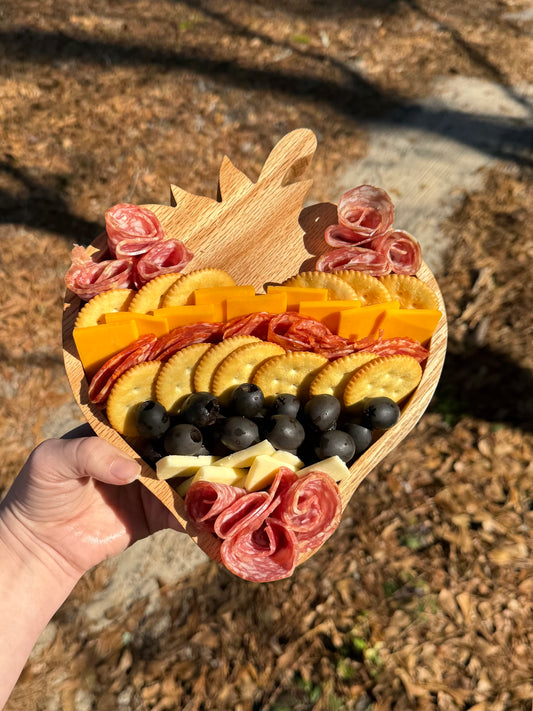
(401, 249)
(366, 210)
(87, 278)
(268, 553)
(187, 335)
(247, 513)
(342, 236)
(165, 257)
(361, 259)
(131, 230)
(295, 332)
(312, 508)
(393, 346)
(104, 379)
(255, 324)
(205, 500)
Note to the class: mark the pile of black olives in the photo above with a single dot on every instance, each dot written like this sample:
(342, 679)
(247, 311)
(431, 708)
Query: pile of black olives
(314, 430)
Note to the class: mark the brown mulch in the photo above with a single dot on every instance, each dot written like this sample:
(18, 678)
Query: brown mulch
(423, 598)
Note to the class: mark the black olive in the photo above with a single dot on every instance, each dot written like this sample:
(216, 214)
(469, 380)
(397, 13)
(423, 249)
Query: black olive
(380, 413)
(246, 400)
(152, 420)
(323, 411)
(362, 436)
(239, 433)
(285, 432)
(285, 404)
(336, 442)
(200, 409)
(183, 439)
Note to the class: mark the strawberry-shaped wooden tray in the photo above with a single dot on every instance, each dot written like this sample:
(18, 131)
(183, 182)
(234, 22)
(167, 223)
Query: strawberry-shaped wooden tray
(259, 233)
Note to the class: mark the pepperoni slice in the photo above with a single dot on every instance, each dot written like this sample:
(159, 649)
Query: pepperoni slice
(366, 210)
(312, 508)
(164, 257)
(262, 555)
(131, 230)
(205, 500)
(361, 259)
(87, 278)
(401, 249)
(104, 379)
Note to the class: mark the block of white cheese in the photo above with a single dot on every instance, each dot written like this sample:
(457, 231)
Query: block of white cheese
(334, 466)
(181, 465)
(211, 472)
(245, 457)
(288, 459)
(262, 472)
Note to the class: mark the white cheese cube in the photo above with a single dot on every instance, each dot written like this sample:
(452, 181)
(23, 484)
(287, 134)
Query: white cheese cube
(262, 472)
(181, 465)
(288, 459)
(334, 466)
(220, 475)
(245, 457)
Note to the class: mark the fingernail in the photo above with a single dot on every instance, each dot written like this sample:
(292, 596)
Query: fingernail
(125, 469)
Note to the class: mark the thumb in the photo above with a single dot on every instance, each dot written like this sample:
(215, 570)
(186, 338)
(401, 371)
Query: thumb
(60, 459)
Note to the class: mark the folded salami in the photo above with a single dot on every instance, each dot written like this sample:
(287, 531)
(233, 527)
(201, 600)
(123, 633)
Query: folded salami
(131, 230)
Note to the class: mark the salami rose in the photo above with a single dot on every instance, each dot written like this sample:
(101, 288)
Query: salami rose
(341, 236)
(262, 555)
(131, 230)
(361, 259)
(312, 508)
(401, 249)
(87, 278)
(205, 500)
(165, 257)
(366, 210)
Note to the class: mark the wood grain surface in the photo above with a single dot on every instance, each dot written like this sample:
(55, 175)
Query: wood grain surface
(260, 233)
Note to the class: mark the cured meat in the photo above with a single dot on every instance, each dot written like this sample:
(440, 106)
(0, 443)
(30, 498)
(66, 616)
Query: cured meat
(131, 230)
(295, 332)
(164, 257)
(366, 210)
(393, 346)
(401, 249)
(341, 236)
(183, 336)
(205, 500)
(312, 508)
(362, 259)
(255, 324)
(104, 379)
(87, 278)
(268, 553)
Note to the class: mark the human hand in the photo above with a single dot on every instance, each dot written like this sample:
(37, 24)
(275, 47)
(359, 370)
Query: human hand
(77, 501)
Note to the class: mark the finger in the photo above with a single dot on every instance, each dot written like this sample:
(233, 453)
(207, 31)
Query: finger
(84, 457)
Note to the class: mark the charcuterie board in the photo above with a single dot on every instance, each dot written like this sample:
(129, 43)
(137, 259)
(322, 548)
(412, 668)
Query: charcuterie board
(260, 233)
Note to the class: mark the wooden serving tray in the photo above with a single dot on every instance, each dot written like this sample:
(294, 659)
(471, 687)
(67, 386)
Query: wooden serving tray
(260, 234)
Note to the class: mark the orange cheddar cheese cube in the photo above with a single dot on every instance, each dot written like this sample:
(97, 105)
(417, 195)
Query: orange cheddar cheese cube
(218, 295)
(328, 312)
(183, 315)
(296, 294)
(419, 324)
(364, 321)
(273, 303)
(96, 344)
(145, 322)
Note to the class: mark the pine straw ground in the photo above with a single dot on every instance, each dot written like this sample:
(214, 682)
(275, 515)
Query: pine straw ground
(423, 598)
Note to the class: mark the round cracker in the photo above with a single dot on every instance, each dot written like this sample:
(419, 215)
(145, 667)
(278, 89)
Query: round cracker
(368, 289)
(182, 292)
(240, 366)
(290, 373)
(393, 376)
(133, 387)
(105, 303)
(334, 376)
(337, 287)
(151, 295)
(410, 292)
(208, 363)
(176, 379)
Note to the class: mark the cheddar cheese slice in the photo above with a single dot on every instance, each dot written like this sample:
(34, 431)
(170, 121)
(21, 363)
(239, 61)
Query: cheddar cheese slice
(364, 321)
(96, 344)
(296, 294)
(272, 303)
(183, 315)
(419, 324)
(145, 322)
(328, 312)
(218, 296)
